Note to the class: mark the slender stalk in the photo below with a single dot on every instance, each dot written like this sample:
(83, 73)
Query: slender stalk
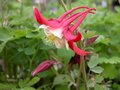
(84, 72)
(2, 13)
(5, 63)
(63, 4)
(82, 69)
(34, 55)
(78, 79)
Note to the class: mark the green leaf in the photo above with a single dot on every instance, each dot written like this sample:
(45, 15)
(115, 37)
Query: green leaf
(47, 73)
(112, 60)
(45, 46)
(97, 69)
(33, 81)
(27, 82)
(60, 79)
(6, 86)
(109, 71)
(27, 88)
(99, 78)
(89, 34)
(65, 54)
(99, 87)
(2, 45)
(29, 50)
(102, 39)
(19, 33)
(5, 36)
(39, 88)
(23, 83)
(35, 34)
(90, 83)
(62, 87)
(93, 61)
(116, 86)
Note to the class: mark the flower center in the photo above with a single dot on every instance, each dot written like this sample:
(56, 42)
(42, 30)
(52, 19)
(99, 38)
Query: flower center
(54, 36)
(59, 43)
(51, 38)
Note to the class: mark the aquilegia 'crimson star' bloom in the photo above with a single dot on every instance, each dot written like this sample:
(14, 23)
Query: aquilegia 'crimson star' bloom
(45, 65)
(91, 40)
(60, 31)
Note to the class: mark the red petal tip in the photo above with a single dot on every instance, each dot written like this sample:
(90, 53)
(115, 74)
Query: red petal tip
(77, 50)
(38, 17)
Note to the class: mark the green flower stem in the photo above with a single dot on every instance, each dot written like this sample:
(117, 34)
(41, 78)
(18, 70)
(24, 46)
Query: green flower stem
(63, 4)
(2, 12)
(82, 69)
(34, 55)
(84, 72)
(78, 79)
(5, 63)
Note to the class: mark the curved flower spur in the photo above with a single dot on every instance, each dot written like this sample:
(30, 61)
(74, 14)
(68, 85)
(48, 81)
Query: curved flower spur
(60, 31)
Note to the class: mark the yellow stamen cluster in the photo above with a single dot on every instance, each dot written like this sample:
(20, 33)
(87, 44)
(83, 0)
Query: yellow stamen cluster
(51, 38)
(59, 43)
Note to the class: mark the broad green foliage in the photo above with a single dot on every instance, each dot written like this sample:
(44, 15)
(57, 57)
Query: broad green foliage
(27, 82)
(97, 69)
(112, 60)
(110, 71)
(64, 54)
(22, 48)
(22, 84)
(61, 80)
(93, 61)
(99, 78)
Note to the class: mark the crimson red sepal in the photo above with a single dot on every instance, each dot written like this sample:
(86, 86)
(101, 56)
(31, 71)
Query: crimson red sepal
(77, 50)
(45, 65)
(38, 17)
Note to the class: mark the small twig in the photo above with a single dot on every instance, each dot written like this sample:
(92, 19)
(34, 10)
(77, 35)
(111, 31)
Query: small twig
(63, 4)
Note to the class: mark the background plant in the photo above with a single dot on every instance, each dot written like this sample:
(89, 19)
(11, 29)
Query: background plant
(22, 48)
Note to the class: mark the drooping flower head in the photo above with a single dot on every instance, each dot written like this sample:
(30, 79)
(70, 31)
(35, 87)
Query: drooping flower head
(60, 31)
(45, 65)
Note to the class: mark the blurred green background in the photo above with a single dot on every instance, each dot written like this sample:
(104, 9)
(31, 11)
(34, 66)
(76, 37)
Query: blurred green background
(22, 47)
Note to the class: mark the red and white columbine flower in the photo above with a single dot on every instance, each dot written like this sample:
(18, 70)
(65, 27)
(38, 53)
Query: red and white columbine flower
(60, 31)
